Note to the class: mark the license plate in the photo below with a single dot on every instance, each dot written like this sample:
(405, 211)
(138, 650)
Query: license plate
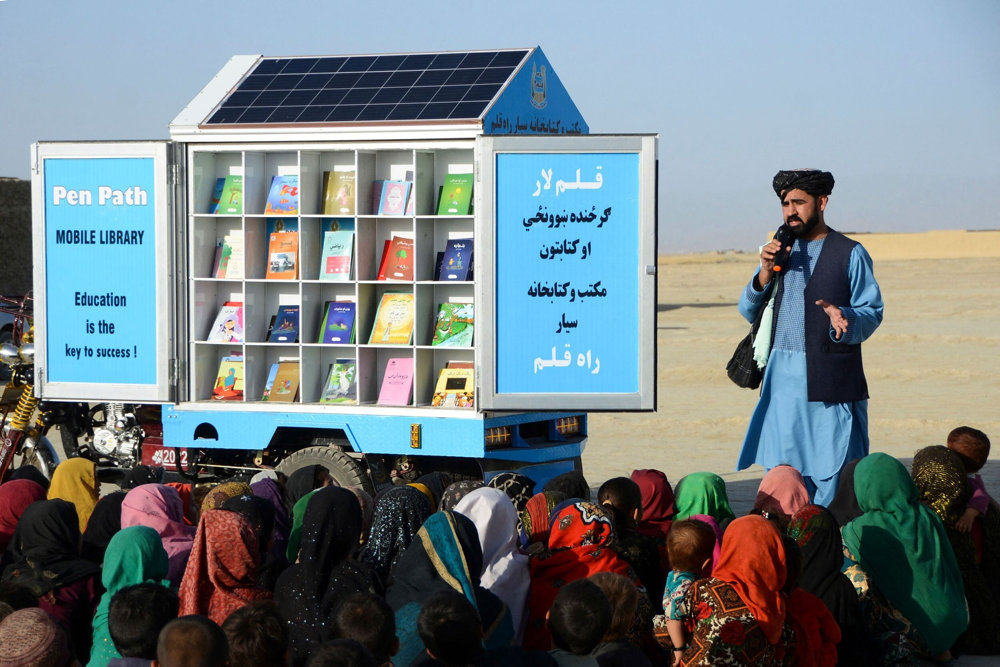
(165, 457)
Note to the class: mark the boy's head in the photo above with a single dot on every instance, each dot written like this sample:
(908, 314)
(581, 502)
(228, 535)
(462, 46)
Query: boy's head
(342, 653)
(579, 617)
(624, 498)
(689, 545)
(972, 446)
(793, 563)
(191, 641)
(257, 635)
(451, 628)
(624, 599)
(136, 615)
(368, 619)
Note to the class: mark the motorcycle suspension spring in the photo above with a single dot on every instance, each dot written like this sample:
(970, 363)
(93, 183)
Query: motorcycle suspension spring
(26, 405)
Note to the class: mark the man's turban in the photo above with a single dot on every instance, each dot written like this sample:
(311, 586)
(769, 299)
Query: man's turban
(813, 181)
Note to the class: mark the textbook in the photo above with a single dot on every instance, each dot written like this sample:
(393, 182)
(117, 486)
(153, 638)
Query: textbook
(456, 195)
(392, 198)
(397, 260)
(283, 198)
(454, 325)
(338, 323)
(397, 382)
(282, 382)
(338, 192)
(286, 325)
(457, 261)
(231, 199)
(341, 383)
(228, 325)
(282, 256)
(455, 388)
(229, 256)
(229, 380)
(394, 320)
(213, 205)
(338, 252)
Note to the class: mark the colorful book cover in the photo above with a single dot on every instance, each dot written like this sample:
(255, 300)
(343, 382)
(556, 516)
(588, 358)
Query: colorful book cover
(285, 386)
(269, 383)
(213, 204)
(341, 383)
(283, 198)
(338, 192)
(229, 380)
(282, 256)
(338, 323)
(338, 253)
(233, 245)
(286, 325)
(456, 195)
(457, 260)
(397, 382)
(397, 260)
(394, 320)
(231, 199)
(456, 388)
(228, 325)
(218, 259)
(454, 325)
(393, 198)
(275, 225)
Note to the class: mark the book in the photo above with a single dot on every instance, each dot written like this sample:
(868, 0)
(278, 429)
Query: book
(455, 388)
(397, 382)
(286, 325)
(338, 192)
(338, 323)
(283, 197)
(457, 260)
(229, 379)
(337, 255)
(229, 256)
(456, 195)
(228, 325)
(336, 225)
(341, 383)
(397, 259)
(269, 382)
(231, 199)
(284, 386)
(454, 325)
(213, 204)
(392, 198)
(282, 256)
(394, 320)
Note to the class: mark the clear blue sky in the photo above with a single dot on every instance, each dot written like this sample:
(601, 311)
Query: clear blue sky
(900, 99)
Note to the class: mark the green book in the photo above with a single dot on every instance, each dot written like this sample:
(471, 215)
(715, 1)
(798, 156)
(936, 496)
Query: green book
(456, 195)
(231, 201)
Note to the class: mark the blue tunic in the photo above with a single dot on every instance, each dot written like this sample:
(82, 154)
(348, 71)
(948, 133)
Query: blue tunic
(815, 438)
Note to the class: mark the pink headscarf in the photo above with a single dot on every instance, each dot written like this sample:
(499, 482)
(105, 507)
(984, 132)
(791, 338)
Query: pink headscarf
(784, 489)
(160, 508)
(704, 518)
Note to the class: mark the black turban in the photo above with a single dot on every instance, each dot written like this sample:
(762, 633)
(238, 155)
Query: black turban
(813, 181)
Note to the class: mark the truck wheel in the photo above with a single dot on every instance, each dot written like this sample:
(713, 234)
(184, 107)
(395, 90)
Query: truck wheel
(344, 469)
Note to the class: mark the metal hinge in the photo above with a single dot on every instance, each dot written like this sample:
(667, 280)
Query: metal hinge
(172, 371)
(175, 173)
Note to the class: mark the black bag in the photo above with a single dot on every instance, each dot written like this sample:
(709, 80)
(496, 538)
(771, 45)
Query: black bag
(742, 369)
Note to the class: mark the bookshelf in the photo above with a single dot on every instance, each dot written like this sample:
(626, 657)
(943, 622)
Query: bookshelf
(426, 168)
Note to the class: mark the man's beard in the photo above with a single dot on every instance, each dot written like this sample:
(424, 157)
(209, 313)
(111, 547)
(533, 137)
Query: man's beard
(805, 227)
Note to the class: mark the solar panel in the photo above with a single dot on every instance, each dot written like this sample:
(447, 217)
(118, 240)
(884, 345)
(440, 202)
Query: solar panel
(400, 87)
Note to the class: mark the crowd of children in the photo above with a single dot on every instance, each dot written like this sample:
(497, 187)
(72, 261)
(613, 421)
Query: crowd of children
(902, 566)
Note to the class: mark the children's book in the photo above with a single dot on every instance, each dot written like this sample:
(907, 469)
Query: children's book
(338, 323)
(338, 192)
(457, 261)
(338, 252)
(286, 325)
(454, 324)
(341, 383)
(228, 325)
(392, 199)
(394, 320)
(231, 199)
(283, 197)
(229, 381)
(456, 195)
(455, 388)
(397, 382)
(282, 256)
(285, 385)
(229, 256)
(271, 374)
(213, 204)
(397, 260)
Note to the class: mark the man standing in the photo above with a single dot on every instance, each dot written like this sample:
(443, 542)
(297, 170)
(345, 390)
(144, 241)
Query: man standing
(813, 408)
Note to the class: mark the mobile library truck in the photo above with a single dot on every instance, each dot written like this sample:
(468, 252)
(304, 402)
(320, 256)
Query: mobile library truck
(354, 261)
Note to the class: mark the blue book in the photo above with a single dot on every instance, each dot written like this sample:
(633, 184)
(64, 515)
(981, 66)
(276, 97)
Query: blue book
(283, 198)
(457, 261)
(286, 325)
(220, 183)
(338, 323)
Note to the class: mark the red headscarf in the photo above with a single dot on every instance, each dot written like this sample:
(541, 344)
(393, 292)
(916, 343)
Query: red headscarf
(222, 569)
(15, 496)
(753, 563)
(657, 502)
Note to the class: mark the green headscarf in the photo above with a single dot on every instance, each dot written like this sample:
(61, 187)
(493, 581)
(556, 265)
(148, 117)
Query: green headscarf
(702, 493)
(903, 547)
(135, 555)
(295, 536)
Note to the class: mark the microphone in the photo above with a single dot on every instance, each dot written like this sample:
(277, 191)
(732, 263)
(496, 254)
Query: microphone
(786, 237)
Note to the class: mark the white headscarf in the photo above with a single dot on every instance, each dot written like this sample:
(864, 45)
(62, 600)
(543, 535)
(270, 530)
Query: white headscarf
(505, 568)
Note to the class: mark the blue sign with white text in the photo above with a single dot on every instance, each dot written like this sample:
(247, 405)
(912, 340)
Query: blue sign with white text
(567, 283)
(100, 264)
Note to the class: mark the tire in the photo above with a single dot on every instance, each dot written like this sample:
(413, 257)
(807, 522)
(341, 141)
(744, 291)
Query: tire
(344, 469)
(41, 455)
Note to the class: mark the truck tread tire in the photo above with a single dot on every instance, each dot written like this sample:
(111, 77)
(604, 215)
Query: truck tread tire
(344, 469)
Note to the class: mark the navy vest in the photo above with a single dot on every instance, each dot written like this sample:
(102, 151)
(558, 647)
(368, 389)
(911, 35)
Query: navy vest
(834, 372)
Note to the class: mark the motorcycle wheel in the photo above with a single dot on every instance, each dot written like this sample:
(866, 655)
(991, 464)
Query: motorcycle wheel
(38, 453)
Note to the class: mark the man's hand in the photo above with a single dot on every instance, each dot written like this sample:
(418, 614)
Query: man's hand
(964, 523)
(836, 315)
(767, 255)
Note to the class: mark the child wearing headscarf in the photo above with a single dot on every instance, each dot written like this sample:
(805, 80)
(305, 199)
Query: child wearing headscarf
(75, 481)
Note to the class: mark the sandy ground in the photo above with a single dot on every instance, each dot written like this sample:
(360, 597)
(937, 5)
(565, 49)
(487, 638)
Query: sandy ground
(934, 364)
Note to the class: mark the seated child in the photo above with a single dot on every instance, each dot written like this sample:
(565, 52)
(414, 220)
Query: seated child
(450, 628)
(368, 619)
(191, 641)
(615, 648)
(258, 637)
(689, 545)
(577, 620)
(339, 652)
(136, 614)
(623, 498)
(816, 631)
(973, 447)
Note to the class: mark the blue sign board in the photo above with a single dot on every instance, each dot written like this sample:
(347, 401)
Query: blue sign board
(567, 273)
(100, 266)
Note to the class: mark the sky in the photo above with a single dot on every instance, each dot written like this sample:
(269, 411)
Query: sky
(899, 99)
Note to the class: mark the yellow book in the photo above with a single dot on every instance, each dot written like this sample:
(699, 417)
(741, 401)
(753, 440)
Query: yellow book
(394, 320)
